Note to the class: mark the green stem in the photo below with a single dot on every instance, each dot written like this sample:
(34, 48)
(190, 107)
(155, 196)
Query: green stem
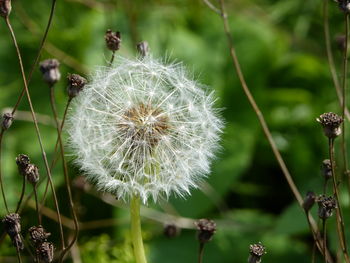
(136, 234)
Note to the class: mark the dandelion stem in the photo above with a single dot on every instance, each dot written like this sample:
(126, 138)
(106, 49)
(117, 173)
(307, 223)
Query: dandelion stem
(136, 234)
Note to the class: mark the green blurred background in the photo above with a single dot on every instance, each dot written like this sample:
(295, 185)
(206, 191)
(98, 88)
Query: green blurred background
(281, 48)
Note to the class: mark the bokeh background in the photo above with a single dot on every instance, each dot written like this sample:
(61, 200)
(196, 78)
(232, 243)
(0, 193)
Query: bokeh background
(281, 48)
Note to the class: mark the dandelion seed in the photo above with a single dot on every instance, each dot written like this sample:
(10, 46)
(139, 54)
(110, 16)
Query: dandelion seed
(136, 133)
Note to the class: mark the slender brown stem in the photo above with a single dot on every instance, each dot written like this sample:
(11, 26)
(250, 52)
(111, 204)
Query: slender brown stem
(200, 252)
(55, 159)
(19, 256)
(345, 77)
(65, 172)
(259, 114)
(339, 215)
(36, 61)
(36, 126)
(324, 239)
(22, 193)
(112, 58)
(1, 180)
(330, 57)
(37, 203)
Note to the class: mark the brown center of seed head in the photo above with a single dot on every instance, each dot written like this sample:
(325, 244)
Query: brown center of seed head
(145, 124)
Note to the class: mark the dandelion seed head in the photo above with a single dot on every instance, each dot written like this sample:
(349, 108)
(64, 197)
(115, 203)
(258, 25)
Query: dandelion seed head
(144, 128)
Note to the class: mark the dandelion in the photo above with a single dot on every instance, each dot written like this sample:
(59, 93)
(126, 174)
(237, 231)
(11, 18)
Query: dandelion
(143, 129)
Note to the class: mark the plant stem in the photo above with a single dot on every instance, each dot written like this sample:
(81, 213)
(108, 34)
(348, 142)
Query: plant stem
(112, 58)
(200, 252)
(136, 233)
(22, 194)
(339, 215)
(1, 180)
(324, 238)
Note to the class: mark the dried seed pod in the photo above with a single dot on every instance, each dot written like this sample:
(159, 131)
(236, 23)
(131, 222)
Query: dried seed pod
(5, 8)
(45, 252)
(206, 230)
(7, 119)
(75, 84)
(51, 73)
(38, 234)
(32, 173)
(143, 48)
(171, 230)
(309, 201)
(326, 205)
(113, 40)
(12, 224)
(22, 162)
(331, 124)
(256, 251)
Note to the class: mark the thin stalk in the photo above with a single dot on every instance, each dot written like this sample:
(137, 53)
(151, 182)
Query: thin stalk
(55, 159)
(339, 215)
(19, 256)
(324, 239)
(22, 193)
(200, 252)
(112, 58)
(36, 61)
(330, 58)
(1, 180)
(136, 233)
(65, 172)
(36, 126)
(259, 114)
(37, 203)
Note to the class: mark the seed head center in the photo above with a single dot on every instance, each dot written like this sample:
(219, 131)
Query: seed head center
(144, 124)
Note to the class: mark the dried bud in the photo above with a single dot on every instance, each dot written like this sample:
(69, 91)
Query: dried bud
(32, 173)
(143, 49)
(7, 119)
(75, 84)
(22, 162)
(45, 252)
(309, 201)
(5, 8)
(331, 124)
(38, 234)
(344, 5)
(51, 73)
(340, 41)
(327, 169)
(171, 231)
(17, 242)
(206, 230)
(326, 205)
(12, 224)
(113, 40)
(256, 251)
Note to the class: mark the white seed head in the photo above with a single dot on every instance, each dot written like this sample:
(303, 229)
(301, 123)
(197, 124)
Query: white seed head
(144, 128)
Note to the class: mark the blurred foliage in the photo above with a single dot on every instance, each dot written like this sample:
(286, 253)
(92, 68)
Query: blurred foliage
(281, 48)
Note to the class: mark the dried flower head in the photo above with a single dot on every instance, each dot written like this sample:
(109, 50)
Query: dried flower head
(7, 119)
(171, 230)
(51, 73)
(12, 224)
(331, 124)
(75, 84)
(143, 128)
(45, 251)
(38, 234)
(344, 5)
(143, 49)
(5, 8)
(113, 40)
(309, 201)
(327, 169)
(326, 205)
(32, 173)
(256, 251)
(206, 230)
